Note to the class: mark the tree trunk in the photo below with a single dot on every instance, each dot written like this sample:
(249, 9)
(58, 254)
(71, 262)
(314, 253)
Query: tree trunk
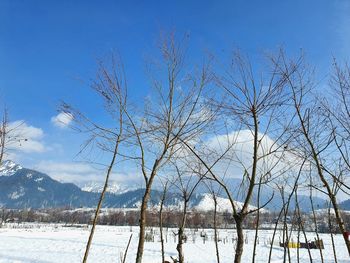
(257, 222)
(181, 236)
(161, 222)
(240, 238)
(126, 249)
(99, 205)
(3, 134)
(143, 211)
(274, 233)
(301, 224)
(216, 230)
(315, 220)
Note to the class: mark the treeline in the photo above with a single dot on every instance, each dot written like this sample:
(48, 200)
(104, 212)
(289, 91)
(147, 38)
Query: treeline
(171, 219)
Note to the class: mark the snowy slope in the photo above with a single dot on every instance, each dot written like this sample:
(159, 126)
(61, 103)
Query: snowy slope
(207, 204)
(9, 168)
(97, 187)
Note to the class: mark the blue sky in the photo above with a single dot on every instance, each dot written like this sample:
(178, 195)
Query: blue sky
(48, 47)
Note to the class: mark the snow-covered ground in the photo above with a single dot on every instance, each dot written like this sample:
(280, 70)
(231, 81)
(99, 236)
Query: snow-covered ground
(55, 243)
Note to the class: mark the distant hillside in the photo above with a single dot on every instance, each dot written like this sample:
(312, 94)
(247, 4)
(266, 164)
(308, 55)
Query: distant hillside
(26, 188)
(345, 205)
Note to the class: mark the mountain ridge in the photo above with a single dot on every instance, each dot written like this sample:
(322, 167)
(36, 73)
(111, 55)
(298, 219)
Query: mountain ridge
(26, 188)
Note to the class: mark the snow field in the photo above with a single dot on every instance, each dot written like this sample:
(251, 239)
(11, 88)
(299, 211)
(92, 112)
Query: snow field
(42, 243)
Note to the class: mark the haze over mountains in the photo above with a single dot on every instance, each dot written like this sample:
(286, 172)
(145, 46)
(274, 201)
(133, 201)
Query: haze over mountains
(25, 188)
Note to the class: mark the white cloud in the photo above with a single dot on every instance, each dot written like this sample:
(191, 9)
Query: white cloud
(69, 171)
(25, 138)
(239, 157)
(79, 173)
(62, 120)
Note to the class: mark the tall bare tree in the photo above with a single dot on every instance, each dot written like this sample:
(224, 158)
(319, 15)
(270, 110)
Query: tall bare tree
(161, 207)
(176, 111)
(3, 135)
(110, 86)
(214, 192)
(11, 136)
(316, 143)
(255, 107)
(188, 178)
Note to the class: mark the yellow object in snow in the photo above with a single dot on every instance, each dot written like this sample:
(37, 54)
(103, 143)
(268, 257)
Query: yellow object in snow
(293, 245)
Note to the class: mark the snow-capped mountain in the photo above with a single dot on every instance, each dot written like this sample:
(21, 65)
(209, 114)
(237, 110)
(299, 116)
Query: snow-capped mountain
(25, 188)
(9, 168)
(97, 187)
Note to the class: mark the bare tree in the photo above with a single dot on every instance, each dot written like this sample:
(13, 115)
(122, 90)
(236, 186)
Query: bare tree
(314, 217)
(3, 135)
(215, 194)
(331, 230)
(254, 107)
(301, 224)
(188, 177)
(123, 259)
(110, 85)
(162, 201)
(11, 136)
(257, 221)
(316, 143)
(175, 111)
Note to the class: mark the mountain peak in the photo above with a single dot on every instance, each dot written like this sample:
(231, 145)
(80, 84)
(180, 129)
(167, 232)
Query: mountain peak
(8, 168)
(97, 187)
